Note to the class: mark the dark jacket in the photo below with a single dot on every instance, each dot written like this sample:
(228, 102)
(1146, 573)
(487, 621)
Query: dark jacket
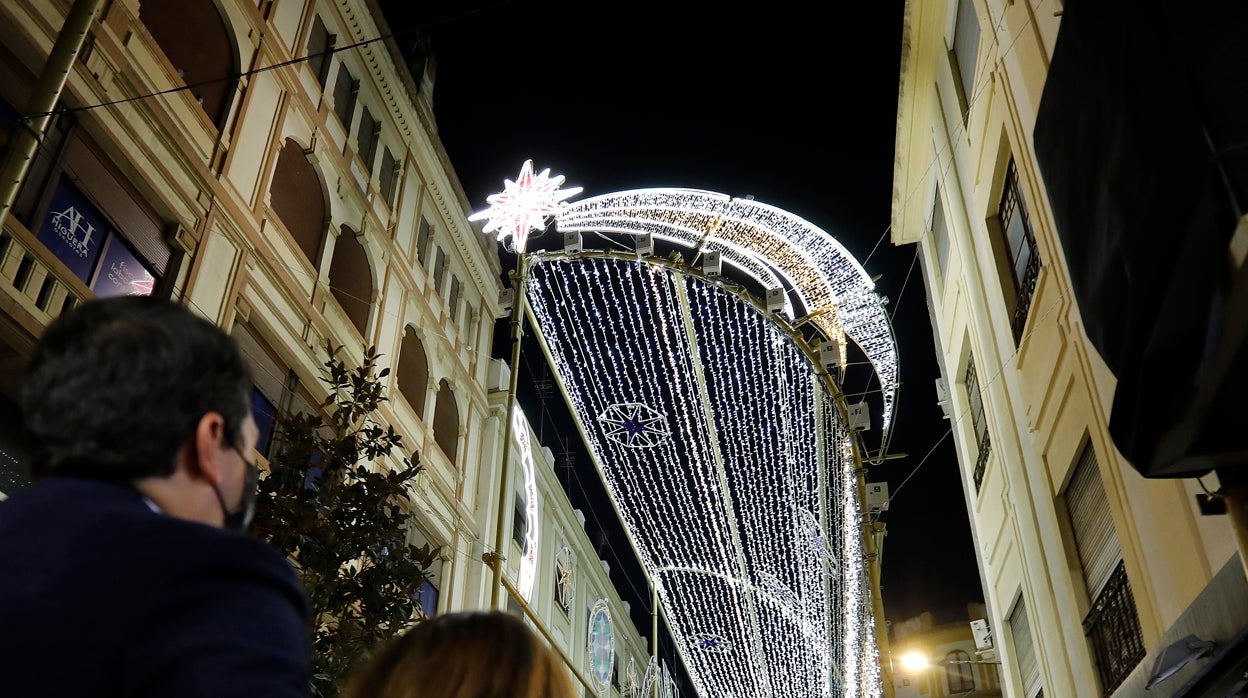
(102, 596)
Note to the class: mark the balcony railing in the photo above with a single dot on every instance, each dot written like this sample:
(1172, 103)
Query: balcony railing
(1026, 290)
(33, 278)
(1114, 628)
(981, 461)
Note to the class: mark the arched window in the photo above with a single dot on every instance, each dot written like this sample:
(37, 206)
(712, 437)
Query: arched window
(413, 371)
(961, 676)
(195, 40)
(446, 421)
(298, 199)
(351, 279)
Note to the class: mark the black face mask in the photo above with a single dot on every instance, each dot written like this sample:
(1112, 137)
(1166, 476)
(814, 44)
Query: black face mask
(240, 518)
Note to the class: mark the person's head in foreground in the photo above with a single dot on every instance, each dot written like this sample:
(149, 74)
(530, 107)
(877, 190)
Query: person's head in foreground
(482, 654)
(143, 391)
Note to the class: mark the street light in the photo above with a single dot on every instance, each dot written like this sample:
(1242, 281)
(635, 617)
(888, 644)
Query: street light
(915, 661)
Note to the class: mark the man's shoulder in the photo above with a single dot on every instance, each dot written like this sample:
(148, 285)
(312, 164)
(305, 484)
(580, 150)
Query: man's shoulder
(104, 521)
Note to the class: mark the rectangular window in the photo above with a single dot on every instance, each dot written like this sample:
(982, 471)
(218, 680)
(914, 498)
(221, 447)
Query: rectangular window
(966, 51)
(940, 234)
(439, 269)
(265, 413)
(979, 421)
(320, 43)
(453, 301)
(465, 327)
(366, 136)
(345, 91)
(519, 521)
(1020, 245)
(1112, 623)
(428, 598)
(1024, 648)
(422, 241)
(389, 176)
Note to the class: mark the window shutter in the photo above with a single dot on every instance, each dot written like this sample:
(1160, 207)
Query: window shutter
(1025, 650)
(1093, 526)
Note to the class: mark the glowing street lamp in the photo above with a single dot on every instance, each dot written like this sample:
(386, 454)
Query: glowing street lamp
(915, 661)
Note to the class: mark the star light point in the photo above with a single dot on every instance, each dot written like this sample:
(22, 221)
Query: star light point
(523, 205)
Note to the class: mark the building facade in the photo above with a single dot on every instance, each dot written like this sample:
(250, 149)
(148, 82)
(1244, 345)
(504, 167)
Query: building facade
(953, 665)
(1090, 570)
(275, 166)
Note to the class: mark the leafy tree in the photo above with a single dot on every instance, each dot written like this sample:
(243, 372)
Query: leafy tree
(342, 522)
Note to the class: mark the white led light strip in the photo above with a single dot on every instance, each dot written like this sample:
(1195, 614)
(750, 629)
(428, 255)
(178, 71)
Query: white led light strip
(753, 235)
(739, 449)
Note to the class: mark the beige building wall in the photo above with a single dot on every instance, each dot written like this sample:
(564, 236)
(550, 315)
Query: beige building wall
(212, 191)
(1046, 394)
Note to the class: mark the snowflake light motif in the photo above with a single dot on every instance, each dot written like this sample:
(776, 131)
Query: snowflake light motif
(523, 205)
(634, 425)
(706, 642)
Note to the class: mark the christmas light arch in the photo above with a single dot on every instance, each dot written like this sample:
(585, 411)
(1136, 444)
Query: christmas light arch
(720, 438)
(723, 450)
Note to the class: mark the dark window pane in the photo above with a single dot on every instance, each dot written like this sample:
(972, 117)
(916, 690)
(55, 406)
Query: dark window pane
(320, 41)
(265, 413)
(389, 176)
(345, 90)
(366, 137)
(422, 241)
(428, 599)
(439, 269)
(453, 301)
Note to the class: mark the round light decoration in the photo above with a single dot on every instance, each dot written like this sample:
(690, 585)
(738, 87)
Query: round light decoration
(601, 646)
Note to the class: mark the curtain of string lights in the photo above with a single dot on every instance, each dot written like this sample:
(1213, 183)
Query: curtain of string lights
(765, 242)
(726, 458)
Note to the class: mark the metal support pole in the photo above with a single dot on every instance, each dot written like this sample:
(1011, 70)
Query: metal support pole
(654, 635)
(504, 470)
(43, 99)
(870, 530)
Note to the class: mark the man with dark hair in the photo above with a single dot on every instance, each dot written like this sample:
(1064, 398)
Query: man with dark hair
(119, 575)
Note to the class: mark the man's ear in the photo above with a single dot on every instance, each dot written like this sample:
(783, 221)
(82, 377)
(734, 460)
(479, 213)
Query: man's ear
(208, 444)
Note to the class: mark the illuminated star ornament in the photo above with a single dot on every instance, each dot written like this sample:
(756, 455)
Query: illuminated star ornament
(634, 425)
(523, 205)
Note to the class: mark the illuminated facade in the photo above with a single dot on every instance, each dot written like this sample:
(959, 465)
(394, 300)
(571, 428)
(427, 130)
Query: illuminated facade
(309, 200)
(1090, 570)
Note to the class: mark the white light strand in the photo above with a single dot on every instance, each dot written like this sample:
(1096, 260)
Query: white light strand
(753, 235)
(618, 336)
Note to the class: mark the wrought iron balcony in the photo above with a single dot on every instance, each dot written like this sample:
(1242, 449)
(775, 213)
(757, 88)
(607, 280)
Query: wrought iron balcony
(981, 461)
(1113, 625)
(1026, 290)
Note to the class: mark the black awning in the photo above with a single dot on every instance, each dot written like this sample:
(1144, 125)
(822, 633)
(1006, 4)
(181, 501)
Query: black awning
(1142, 139)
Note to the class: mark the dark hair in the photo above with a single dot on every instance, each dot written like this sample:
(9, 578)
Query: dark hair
(472, 654)
(116, 385)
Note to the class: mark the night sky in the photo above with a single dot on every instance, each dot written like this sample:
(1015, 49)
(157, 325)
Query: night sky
(794, 108)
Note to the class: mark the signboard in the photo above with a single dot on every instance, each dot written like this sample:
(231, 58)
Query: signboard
(528, 563)
(121, 273)
(73, 230)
